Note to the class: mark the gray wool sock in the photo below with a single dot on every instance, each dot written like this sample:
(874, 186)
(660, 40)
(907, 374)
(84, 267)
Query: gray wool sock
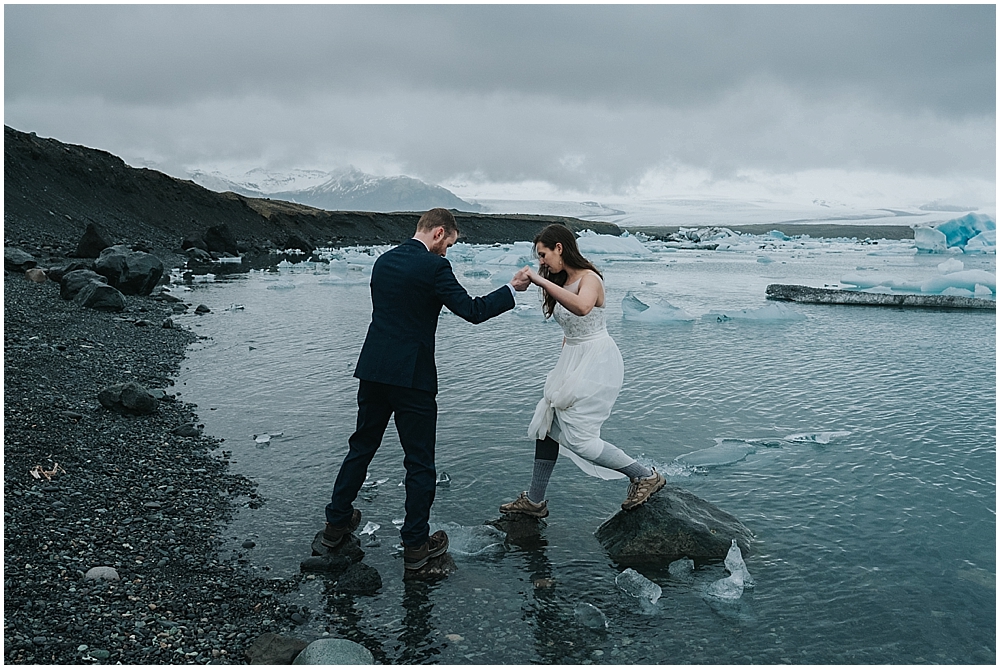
(635, 470)
(540, 479)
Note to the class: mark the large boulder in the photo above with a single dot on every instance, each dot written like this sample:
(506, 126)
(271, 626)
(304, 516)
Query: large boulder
(57, 272)
(131, 272)
(673, 524)
(194, 240)
(16, 260)
(72, 282)
(359, 579)
(271, 648)
(220, 239)
(98, 295)
(91, 243)
(128, 398)
(334, 651)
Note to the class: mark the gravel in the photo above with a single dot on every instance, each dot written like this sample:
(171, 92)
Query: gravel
(128, 493)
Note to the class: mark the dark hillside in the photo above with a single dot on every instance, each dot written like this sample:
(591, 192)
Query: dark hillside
(53, 190)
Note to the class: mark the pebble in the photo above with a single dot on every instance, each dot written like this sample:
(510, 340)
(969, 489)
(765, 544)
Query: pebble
(248, 544)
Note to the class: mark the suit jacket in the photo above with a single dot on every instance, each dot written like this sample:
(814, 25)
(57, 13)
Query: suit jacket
(409, 285)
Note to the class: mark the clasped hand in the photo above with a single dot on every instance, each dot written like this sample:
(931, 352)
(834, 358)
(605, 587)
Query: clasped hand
(524, 278)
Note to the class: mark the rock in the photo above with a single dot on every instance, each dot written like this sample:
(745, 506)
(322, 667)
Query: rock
(16, 260)
(57, 272)
(127, 398)
(199, 255)
(131, 272)
(359, 579)
(194, 240)
(350, 547)
(219, 238)
(202, 309)
(249, 544)
(435, 568)
(325, 564)
(334, 651)
(167, 323)
(36, 275)
(73, 281)
(673, 524)
(271, 648)
(186, 430)
(91, 243)
(72, 415)
(100, 296)
(100, 654)
(102, 574)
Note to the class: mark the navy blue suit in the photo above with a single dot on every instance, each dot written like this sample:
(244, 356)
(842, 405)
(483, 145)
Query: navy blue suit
(398, 376)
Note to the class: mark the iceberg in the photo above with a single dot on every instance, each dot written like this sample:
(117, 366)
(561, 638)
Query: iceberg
(472, 541)
(771, 313)
(957, 233)
(591, 243)
(984, 242)
(634, 309)
(967, 279)
(635, 584)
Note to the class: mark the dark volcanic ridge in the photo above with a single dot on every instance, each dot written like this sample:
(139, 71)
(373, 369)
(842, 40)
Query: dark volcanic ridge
(53, 190)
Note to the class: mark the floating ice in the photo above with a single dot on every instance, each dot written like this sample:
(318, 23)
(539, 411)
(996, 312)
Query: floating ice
(529, 311)
(876, 280)
(477, 273)
(370, 528)
(634, 309)
(681, 568)
(958, 233)
(443, 479)
(966, 279)
(982, 291)
(262, 438)
(817, 437)
(398, 522)
(472, 541)
(958, 292)
(590, 616)
(764, 260)
(951, 265)
(771, 313)
(984, 242)
(281, 285)
(725, 452)
(731, 587)
(591, 243)
(518, 255)
(637, 585)
(778, 234)
(235, 307)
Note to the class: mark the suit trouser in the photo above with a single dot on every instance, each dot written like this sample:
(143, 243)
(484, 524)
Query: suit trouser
(415, 414)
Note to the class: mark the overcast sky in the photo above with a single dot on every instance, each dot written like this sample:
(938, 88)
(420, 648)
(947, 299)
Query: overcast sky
(892, 102)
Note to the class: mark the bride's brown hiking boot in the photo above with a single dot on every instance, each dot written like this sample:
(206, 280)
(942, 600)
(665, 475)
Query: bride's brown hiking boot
(524, 505)
(641, 489)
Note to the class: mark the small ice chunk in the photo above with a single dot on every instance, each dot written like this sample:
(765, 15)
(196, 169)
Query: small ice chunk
(735, 564)
(590, 616)
(596, 244)
(723, 453)
(262, 438)
(729, 588)
(281, 285)
(443, 479)
(764, 260)
(370, 528)
(472, 541)
(958, 292)
(477, 273)
(398, 522)
(817, 437)
(634, 309)
(681, 568)
(951, 265)
(983, 291)
(771, 313)
(637, 585)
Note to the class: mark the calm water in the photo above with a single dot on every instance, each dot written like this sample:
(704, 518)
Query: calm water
(877, 547)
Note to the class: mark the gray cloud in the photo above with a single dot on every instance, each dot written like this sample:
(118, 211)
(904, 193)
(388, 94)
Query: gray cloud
(585, 97)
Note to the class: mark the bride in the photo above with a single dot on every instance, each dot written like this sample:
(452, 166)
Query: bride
(582, 388)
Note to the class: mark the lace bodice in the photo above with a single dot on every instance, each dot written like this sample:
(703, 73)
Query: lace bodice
(579, 326)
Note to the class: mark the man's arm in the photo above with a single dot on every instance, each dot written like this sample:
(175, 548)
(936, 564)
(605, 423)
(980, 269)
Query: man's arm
(473, 309)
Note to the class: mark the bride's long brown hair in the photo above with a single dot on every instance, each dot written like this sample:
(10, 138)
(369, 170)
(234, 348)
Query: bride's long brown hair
(571, 257)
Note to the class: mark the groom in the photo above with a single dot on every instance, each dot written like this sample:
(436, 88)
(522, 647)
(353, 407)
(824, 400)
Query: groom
(397, 376)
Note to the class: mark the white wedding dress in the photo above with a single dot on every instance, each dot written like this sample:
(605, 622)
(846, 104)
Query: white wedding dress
(580, 393)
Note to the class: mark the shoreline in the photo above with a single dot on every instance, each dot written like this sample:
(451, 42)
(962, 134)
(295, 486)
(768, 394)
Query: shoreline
(134, 497)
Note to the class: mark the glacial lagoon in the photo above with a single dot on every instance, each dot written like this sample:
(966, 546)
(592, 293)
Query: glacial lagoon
(858, 443)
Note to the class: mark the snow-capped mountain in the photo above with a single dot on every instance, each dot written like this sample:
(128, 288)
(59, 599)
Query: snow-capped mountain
(348, 189)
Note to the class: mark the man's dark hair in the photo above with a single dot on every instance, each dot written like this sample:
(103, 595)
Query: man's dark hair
(438, 216)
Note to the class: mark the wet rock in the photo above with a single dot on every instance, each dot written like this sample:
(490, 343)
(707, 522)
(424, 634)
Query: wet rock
(249, 543)
(202, 309)
(100, 296)
(334, 651)
(359, 579)
(199, 255)
(673, 524)
(56, 272)
(91, 243)
(296, 242)
(131, 272)
(16, 260)
(35, 275)
(73, 281)
(220, 239)
(194, 240)
(102, 574)
(186, 430)
(271, 648)
(167, 323)
(130, 398)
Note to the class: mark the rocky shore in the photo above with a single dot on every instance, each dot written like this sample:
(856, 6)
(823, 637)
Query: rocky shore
(86, 487)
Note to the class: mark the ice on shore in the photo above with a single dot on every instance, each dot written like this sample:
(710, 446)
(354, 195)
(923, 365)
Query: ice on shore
(635, 584)
(634, 309)
(771, 313)
(472, 541)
